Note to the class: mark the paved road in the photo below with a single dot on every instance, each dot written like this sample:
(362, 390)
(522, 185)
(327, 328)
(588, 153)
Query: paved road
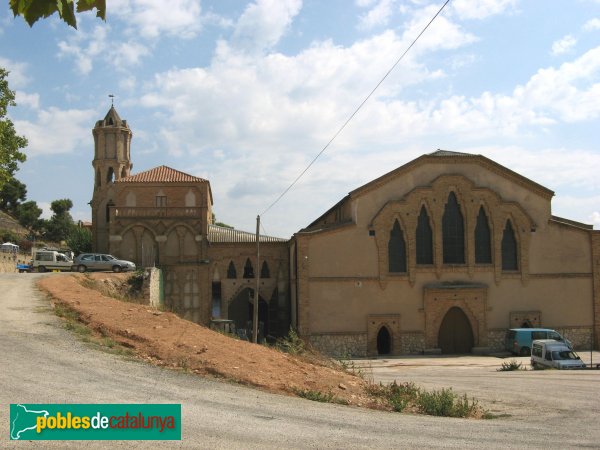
(43, 363)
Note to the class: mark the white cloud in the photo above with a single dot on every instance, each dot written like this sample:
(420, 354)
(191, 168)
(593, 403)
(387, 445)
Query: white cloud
(481, 9)
(17, 78)
(263, 23)
(563, 45)
(378, 15)
(71, 130)
(85, 48)
(595, 219)
(152, 18)
(23, 99)
(592, 24)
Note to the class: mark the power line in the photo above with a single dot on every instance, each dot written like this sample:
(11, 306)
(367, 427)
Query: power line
(356, 110)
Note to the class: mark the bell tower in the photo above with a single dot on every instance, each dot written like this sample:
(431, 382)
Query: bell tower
(112, 161)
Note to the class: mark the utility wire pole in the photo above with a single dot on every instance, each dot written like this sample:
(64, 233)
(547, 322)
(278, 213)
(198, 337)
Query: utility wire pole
(255, 309)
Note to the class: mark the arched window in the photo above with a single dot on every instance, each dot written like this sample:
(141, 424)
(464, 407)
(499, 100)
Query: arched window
(248, 269)
(424, 239)
(110, 175)
(216, 299)
(509, 248)
(396, 249)
(483, 239)
(231, 272)
(453, 232)
(264, 270)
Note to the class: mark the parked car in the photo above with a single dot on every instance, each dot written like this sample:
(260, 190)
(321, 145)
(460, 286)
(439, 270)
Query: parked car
(101, 261)
(45, 260)
(551, 353)
(518, 340)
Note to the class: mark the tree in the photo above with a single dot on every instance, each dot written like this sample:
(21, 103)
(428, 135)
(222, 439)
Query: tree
(32, 10)
(28, 215)
(80, 240)
(11, 195)
(10, 142)
(60, 225)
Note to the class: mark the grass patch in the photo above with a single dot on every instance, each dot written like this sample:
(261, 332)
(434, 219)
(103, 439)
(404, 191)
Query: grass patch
(509, 366)
(100, 340)
(445, 402)
(318, 396)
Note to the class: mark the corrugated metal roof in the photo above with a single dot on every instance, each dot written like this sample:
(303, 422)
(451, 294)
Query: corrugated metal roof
(224, 234)
(161, 174)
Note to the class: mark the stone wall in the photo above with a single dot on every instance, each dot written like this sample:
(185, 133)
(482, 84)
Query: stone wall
(412, 343)
(496, 339)
(581, 337)
(340, 345)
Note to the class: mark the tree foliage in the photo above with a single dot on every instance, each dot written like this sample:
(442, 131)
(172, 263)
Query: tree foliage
(80, 240)
(33, 10)
(60, 225)
(11, 195)
(28, 214)
(10, 142)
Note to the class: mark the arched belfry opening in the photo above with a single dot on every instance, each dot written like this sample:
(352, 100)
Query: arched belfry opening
(384, 341)
(456, 334)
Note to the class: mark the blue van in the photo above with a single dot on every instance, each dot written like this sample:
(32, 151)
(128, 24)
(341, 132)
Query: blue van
(518, 340)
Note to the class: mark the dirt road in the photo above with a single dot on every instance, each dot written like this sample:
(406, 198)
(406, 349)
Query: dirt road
(43, 363)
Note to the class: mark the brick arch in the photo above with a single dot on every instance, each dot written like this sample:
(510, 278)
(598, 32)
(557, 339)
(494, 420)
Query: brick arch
(461, 304)
(441, 297)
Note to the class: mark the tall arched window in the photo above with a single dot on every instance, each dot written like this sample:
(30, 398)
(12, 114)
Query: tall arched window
(453, 232)
(264, 270)
(509, 248)
(231, 272)
(248, 269)
(424, 239)
(397, 249)
(483, 239)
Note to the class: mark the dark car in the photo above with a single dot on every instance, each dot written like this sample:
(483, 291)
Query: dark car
(101, 261)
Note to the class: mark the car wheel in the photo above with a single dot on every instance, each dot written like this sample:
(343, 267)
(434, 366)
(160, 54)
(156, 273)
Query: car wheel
(81, 268)
(525, 351)
(41, 269)
(117, 269)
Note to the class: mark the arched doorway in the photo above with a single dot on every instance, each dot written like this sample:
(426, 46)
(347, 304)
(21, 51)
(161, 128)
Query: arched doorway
(384, 341)
(241, 309)
(455, 335)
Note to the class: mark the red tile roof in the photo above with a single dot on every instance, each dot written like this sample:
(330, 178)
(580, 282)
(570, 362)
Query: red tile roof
(161, 174)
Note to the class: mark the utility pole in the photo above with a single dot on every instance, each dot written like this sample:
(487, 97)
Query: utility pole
(255, 311)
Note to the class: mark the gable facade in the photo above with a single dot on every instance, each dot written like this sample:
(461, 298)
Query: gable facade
(447, 237)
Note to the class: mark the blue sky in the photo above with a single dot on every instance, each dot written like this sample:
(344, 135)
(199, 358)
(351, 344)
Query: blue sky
(245, 94)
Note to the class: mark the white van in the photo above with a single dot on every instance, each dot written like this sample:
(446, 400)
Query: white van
(45, 260)
(551, 353)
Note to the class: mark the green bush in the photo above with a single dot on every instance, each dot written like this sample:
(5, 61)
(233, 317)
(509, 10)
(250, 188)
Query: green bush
(291, 343)
(510, 366)
(446, 403)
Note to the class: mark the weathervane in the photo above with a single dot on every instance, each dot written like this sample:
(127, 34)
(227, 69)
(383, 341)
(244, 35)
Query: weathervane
(112, 99)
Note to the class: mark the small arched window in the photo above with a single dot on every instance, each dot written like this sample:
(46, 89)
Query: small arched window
(509, 248)
(264, 270)
(231, 272)
(424, 239)
(397, 249)
(110, 175)
(453, 232)
(483, 239)
(248, 269)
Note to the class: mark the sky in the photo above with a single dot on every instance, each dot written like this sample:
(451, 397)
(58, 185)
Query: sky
(246, 94)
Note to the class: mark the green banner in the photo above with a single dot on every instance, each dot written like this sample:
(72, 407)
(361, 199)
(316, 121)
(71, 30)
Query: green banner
(49, 422)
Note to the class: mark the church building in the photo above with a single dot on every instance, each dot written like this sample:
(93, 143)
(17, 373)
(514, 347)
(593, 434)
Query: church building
(163, 218)
(440, 255)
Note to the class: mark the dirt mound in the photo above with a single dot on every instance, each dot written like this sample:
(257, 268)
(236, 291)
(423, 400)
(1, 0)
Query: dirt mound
(167, 340)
